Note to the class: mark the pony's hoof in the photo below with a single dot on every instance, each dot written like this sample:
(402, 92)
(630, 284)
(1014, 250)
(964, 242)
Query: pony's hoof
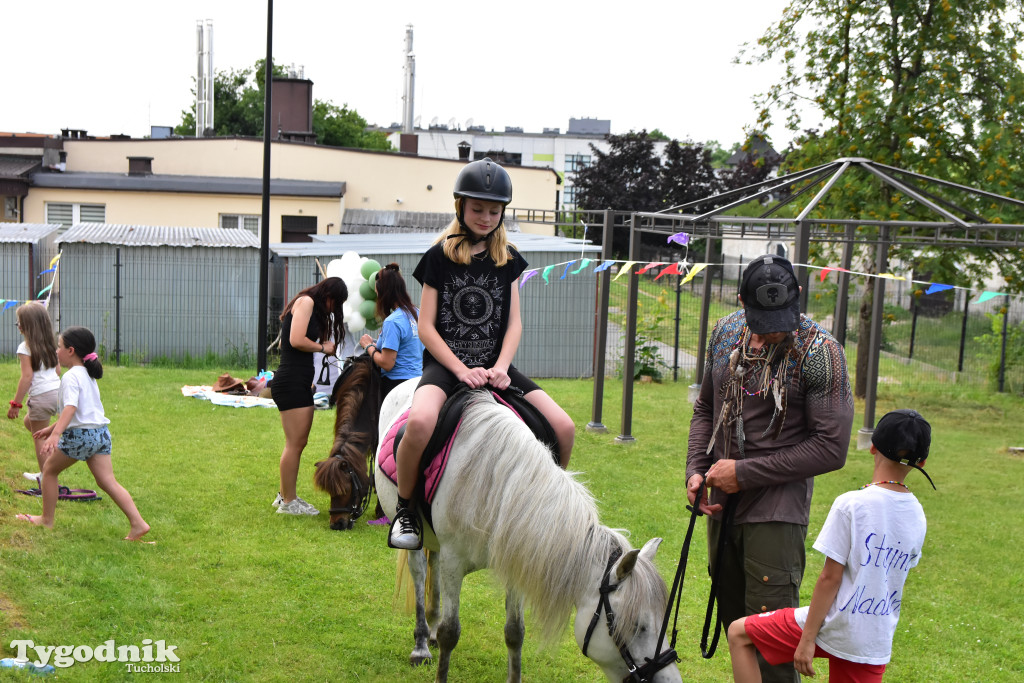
(417, 658)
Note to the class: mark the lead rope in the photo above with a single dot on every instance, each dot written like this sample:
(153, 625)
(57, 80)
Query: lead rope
(675, 595)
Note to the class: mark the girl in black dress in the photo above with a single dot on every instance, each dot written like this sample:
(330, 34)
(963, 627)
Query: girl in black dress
(312, 321)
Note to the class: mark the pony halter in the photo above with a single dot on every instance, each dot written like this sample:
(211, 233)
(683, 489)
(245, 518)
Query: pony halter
(641, 674)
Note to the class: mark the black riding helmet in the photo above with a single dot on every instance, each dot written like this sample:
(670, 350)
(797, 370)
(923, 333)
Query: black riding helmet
(486, 180)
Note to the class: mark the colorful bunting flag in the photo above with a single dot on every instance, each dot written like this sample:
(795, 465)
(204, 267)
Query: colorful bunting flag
(671, 270)
(546, 273)
(828, 269)
(586, 262)
(936, 287)
(566, 271)
(892, 276)
(985, 296)
(604, 266)
(9, 304)
(680, 238)
(54, 260)
(697, 267)
(649, 266)
(44, 290)
(625, 269)
(49, 270)
(526, 276)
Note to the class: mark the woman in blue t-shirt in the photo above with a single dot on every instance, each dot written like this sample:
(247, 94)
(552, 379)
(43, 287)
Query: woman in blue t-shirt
(398, 351)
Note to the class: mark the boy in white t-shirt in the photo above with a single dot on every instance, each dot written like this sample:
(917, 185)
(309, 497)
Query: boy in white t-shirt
(871, 539)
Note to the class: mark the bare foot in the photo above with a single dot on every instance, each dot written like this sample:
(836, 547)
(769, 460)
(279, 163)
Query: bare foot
(137, 533)
(35, 519)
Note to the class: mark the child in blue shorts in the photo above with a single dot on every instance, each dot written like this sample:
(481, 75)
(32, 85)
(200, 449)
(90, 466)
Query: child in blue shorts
(81, 433)
(871, 539)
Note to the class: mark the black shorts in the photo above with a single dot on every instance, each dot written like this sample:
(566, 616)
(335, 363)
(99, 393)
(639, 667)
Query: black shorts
(291, 389)
(438, 375)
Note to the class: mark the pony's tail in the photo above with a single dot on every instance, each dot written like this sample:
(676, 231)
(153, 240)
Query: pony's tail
(404, 583)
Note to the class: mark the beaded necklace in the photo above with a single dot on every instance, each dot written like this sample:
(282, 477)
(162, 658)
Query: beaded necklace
(876, 483)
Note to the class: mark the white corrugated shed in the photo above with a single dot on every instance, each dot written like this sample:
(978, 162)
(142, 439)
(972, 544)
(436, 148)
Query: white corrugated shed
(158, 236)
(26, 232)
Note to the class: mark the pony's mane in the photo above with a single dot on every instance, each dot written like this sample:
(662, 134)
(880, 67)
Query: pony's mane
(351, 440)
(542, 524)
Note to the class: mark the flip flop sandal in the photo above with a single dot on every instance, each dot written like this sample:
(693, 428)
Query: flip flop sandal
(64, 493)
(29, 492)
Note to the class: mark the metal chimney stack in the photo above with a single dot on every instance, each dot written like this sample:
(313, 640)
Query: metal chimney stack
(204, 78)
(410, 82)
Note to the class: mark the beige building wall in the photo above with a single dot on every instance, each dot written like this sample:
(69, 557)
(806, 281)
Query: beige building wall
(186, 210)
(374, 180)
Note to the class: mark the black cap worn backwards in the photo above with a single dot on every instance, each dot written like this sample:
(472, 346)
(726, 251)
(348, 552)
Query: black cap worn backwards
(904, 437)
(771, 295)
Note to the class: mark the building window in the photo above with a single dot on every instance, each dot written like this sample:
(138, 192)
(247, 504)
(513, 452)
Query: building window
(569, 196)
(235, 221)
(10, 208)
(69, 214)
(574, 162)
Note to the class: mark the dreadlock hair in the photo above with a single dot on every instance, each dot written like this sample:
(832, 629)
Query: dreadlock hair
(457, 243)
(34, 320)
(82, 341)
(330, 320)
(392, 294)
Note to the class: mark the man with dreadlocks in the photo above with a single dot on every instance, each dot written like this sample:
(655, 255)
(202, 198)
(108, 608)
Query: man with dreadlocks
(774, 410)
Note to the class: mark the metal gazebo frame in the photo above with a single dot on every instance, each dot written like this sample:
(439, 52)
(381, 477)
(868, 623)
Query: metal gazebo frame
(954, 225)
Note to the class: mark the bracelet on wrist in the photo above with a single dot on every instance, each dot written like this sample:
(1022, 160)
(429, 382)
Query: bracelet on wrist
(15, 404)
(322, 347)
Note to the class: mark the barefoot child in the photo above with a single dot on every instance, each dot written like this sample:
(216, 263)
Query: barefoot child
(871, 539)
(80, 432)
(40, 378)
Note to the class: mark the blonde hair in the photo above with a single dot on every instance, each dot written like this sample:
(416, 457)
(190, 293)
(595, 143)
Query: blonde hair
(459, 250)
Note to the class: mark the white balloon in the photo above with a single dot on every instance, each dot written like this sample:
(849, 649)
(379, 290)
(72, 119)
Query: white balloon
(346, 310)
(356, 322)
(350, 258)
(335, 268)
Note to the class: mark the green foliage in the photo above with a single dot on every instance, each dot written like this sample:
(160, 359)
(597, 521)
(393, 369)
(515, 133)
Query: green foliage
(936, 88)
(228, 573)
(647, 360)
(992, 349)
(238, 110)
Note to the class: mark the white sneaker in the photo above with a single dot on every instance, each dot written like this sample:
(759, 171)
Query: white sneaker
(32, 476)
(278, 500)
(296, 507)
(308, 506)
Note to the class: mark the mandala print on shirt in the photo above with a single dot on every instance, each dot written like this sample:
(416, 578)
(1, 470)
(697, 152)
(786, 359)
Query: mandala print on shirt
(471, 313)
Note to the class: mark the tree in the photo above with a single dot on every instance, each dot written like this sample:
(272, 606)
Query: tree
(238, 110)
(932, 86)
(687, 174)
(625, 178)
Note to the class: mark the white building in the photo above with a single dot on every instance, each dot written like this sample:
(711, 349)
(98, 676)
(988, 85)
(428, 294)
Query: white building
(564, 153)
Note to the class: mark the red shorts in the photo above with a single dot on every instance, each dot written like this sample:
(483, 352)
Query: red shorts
(776, 636)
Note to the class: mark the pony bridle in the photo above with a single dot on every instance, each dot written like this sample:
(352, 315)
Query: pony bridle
(651, 666)
(360, 499)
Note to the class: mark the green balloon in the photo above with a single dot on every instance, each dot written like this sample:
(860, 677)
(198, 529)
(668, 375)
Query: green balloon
(368, 309)
(368, 268)
(368, 291)
(372, 324)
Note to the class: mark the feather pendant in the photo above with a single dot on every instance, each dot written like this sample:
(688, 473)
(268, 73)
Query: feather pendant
(721, 419)
(740, 437)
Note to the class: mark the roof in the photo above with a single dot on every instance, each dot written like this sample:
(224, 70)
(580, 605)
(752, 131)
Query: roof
(756, 147)
(157, 236)
(417, 243)
(374, 221)
(26, 232)
(16, 167)
(186, 183)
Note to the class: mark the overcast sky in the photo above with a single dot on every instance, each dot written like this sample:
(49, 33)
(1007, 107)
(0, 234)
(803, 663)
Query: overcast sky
(115, 66)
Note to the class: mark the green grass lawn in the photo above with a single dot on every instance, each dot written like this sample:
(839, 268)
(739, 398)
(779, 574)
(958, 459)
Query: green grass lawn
(246, 594)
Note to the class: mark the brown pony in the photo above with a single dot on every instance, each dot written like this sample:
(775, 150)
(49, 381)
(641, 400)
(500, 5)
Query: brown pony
(347, 473)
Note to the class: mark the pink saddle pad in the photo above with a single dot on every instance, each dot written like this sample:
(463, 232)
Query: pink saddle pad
(432, 475)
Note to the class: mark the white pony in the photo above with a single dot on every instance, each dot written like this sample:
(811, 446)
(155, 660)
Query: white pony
(505, 505)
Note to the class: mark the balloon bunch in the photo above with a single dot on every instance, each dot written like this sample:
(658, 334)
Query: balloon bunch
(360, 276)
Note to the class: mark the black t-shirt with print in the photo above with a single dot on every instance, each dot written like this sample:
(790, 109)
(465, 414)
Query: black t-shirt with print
(472, 302)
